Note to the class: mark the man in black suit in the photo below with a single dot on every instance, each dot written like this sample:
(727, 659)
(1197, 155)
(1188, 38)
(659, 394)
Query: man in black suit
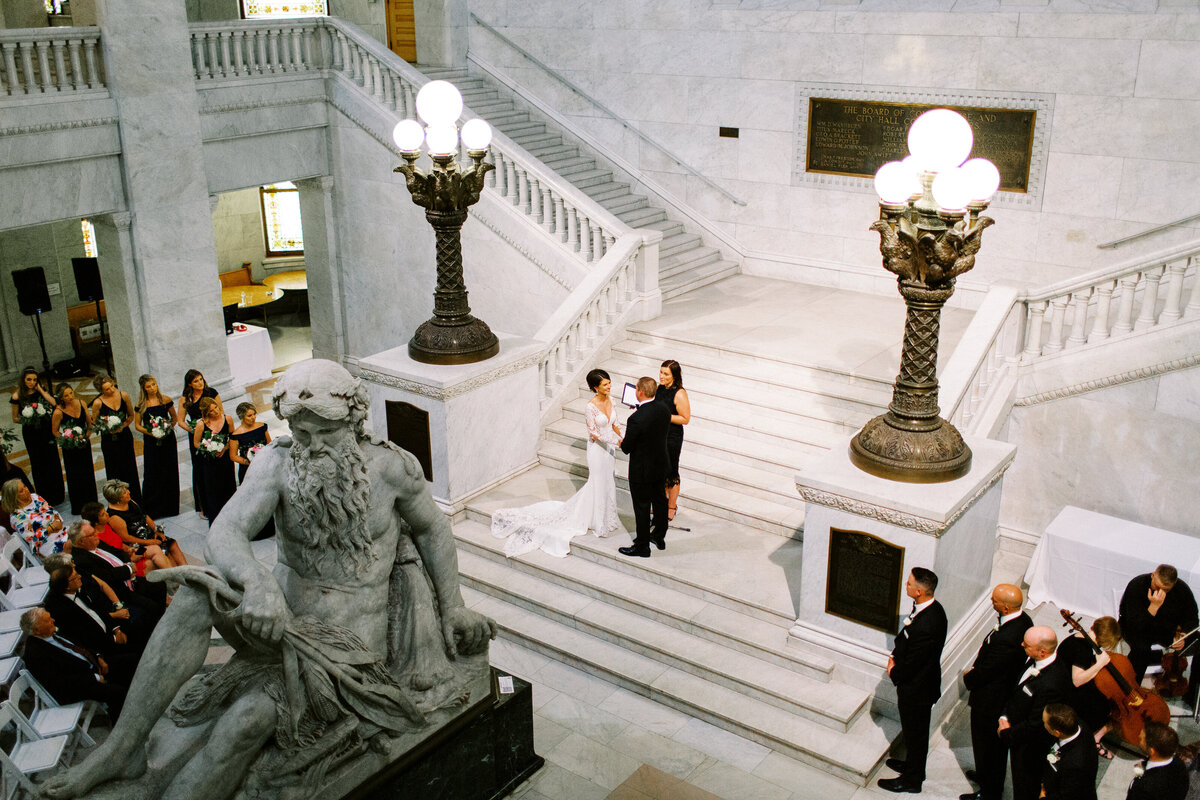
(1043, 681)
(119, 575)
(646, 443)
(1071, 764)
(69, 672)
(1153, 607)
(94, 628)
(990, 681)
(1163, 776)
(915, 667)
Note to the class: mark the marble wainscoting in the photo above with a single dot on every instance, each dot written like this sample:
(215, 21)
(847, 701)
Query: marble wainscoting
(483, 417)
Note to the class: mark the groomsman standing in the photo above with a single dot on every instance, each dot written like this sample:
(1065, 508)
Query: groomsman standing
(990, 681)
(1162, 777)
(1071, 765)
(915, 668)
(1045, 680)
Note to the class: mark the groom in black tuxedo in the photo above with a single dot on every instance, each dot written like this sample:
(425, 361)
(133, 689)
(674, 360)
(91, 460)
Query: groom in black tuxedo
(646, 443)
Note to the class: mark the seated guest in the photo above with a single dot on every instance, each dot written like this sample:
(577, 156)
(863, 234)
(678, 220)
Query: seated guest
(1154, 608)
(9, 472)
(68, 671)
(78, 621)
(145, 557)
(133, 525)
(1072, 763)
(32, 518)
(119, 575)
(1162, 776)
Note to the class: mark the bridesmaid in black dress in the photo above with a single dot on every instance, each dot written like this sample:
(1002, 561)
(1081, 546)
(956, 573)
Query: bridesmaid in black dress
(671, 392)
(33, 407)
(112, 414)
(247, 439)
(211, 440)
(195, 389)
(155, 420)
(71, 429)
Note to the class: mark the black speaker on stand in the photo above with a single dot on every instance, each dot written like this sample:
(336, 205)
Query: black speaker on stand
(32, 300)
(87, 283)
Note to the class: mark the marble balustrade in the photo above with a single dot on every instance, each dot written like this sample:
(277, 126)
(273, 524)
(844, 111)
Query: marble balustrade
(988, 351)
(39, 62)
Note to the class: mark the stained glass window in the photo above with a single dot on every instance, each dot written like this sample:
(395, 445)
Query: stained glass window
(284, 9)
(281, 219)
(89, 239)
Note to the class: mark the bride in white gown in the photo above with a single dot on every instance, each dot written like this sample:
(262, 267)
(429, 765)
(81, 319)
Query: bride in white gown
(551, 525)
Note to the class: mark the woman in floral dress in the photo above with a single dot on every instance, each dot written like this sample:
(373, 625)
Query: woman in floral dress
(33, 519)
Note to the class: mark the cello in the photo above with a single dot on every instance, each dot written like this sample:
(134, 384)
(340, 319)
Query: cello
(1131, 705)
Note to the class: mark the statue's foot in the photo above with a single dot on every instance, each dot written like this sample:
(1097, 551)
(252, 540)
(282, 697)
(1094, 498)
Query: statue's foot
(96, 769)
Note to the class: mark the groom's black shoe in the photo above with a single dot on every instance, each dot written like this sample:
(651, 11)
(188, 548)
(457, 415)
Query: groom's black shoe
(661, 544)
(639, 552)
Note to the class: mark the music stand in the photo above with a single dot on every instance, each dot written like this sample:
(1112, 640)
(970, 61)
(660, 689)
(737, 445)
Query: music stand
(1190, 649)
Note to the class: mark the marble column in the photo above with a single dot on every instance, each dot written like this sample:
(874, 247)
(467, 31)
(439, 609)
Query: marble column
(167, 307)
(442, 32)
(323, 266)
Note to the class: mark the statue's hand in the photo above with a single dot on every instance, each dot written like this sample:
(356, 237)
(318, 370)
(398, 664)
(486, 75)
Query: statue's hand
(466, 632)
(265, 613)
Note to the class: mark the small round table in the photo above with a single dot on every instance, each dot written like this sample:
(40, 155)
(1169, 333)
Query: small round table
(250, 296)
(292, 280)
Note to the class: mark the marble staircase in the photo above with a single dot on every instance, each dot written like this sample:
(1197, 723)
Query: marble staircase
(685, 263)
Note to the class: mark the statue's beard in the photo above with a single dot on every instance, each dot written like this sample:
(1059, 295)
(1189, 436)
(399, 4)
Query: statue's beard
(328, 495)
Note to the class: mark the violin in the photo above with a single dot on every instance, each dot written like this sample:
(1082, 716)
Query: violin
(1170, 682)
(1131, 705)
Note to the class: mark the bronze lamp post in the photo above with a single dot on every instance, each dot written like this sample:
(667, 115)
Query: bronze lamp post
(451, 335)
(930, 229)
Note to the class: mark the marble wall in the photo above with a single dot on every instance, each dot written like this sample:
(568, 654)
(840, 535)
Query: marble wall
(238, 229)
(1121, 451)
(1121, 153)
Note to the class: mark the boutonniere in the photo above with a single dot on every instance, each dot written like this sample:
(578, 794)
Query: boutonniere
(907, 621)
(996, 627)
(1034, 672)
(1052, 757)
(1139, 770)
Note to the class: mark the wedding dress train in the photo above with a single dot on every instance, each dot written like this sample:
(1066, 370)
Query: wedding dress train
(550, 525)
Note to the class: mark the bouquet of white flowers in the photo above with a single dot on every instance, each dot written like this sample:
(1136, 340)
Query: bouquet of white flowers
(253, 451)
(110, 423)
(35, 412)
(212, 446)
(159, 427)
(72, 437)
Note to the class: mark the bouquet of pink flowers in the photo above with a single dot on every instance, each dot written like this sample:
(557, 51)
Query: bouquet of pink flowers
(253, 451)
(71, 437)
(159, 427)
(35, 412)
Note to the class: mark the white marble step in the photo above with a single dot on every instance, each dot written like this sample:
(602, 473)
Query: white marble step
(698, 278)
(744, 632)
(851, 755)
(696, 493)
(834, 705)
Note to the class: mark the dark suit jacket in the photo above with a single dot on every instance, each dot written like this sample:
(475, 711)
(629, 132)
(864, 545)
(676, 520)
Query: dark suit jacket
(999, 664)
(646, 443)
(917, 654)
(1074, 776)
(75, 623)
(88, 563)
(67, 678)
(1161, 783)
(1141, 629)
(1029, 699)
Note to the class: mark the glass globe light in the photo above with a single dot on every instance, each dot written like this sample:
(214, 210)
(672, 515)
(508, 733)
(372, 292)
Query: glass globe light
(940, 139)
(476, 134)
(439, 103)
(895, 183)
(408, 135)
(983, 178)
(441, 139)
(952, 190)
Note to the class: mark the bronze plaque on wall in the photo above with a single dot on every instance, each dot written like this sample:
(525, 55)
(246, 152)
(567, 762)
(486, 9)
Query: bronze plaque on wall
(856, 137)
(864, 580)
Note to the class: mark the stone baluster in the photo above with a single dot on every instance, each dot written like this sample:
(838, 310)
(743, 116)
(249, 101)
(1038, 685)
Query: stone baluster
(511, 190)
(198, 56)
(1173, 309)
(560, 361)
(1079, 308)
(256, 52)
(597, 242)
(1058, 314)
(496, 176)
(89, 57)
(1124, 323)
(1033, 338)
(214, 64)
(272, 56)
(572, 240)
(548, 209)
(43, 55)
(610, 303)
(625, 286)
(1149, 311)
(377, 76)
(27, 67)
(544, 389)
(337, 46)
(74, 55)
(410, 101)
(609, 241)
(1193, 306)
(560, 219)
(308, 39)
(1104, 293)
(227, 49)
(574, 348)
(239, 48)
(533, 205)
(388, 88)
(10, 67)
(522, 198)
(590, 320)
(61, 80)
(585, 238)
(298, 62)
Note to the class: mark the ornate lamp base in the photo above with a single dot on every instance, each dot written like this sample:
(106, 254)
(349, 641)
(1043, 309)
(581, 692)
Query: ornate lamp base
(934, 455)
(464, 341)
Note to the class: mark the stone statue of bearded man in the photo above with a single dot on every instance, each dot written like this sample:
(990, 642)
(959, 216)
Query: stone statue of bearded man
(355, 646)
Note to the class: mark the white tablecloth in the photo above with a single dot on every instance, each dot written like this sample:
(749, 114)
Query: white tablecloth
(251, 357)
(1085, 560)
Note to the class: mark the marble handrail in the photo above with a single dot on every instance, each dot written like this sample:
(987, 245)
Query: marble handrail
(1117, 302)
(41, 62)
(223, 50)
(987, 347)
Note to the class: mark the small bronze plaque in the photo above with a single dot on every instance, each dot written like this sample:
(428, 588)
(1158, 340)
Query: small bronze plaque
(864, 580)
(408, 427)
(855, 137)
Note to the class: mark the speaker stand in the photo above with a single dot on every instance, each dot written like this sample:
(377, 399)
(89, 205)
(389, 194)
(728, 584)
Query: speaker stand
(45, 358)
(105, 345)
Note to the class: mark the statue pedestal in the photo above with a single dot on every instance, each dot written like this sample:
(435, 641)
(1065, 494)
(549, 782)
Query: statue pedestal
(862, 537)
(479, 421)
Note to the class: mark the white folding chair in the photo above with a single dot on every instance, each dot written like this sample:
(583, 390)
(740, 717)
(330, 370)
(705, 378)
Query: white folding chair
(47, 717)
(19, 595)
(10, 615)
(9, 668)
(25, 754)
(9, 642)
(31, 572)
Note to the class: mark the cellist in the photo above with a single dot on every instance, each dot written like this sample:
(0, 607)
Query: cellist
(1089, 703)
(1154, 607)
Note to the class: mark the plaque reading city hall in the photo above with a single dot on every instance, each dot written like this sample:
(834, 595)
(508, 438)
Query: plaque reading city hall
(864, 579)
(855, 137)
